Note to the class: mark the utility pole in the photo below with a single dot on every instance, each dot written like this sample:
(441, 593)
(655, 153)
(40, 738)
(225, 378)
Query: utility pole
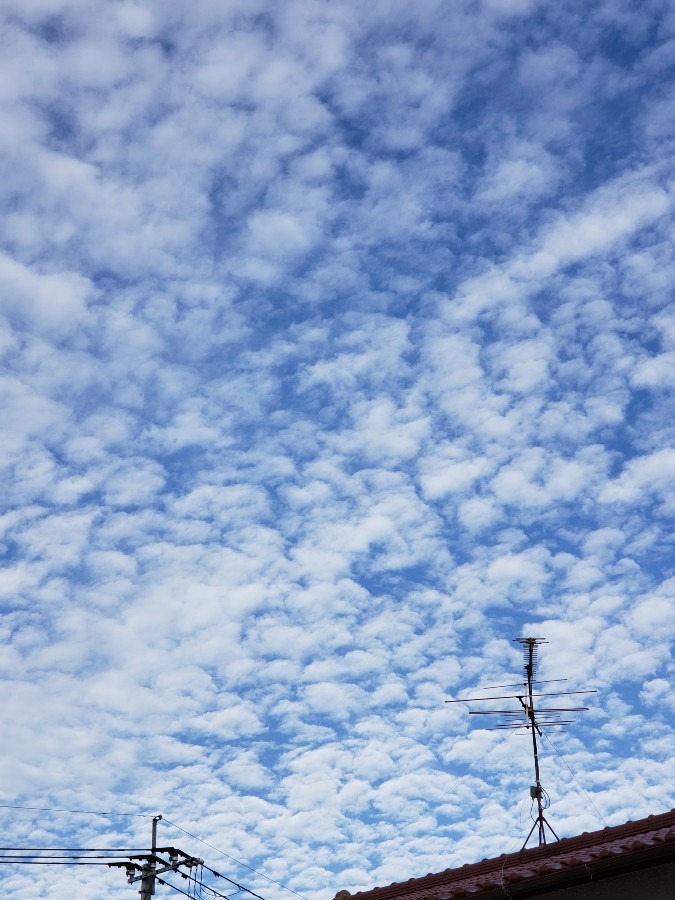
(154, 865)
(150, 868)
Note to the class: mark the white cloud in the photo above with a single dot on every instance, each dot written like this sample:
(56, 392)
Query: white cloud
(647, 475)
(334, 339)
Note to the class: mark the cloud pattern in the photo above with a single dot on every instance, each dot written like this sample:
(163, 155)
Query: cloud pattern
(337, 351)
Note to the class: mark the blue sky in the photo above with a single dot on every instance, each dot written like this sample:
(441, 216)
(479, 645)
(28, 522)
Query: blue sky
(337, 351)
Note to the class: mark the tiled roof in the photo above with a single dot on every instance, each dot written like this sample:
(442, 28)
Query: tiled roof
(592, 854)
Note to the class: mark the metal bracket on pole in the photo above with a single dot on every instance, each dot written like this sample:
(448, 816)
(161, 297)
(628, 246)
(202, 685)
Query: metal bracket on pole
(154, 865)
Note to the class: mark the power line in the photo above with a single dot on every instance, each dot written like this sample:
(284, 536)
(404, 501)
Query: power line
(125, 850)
(79, 856)
(239, 862)
(233, 883)
(117, 856)
(197, 882)
(201, 885)
(122, 857)
(80, 812)
(47, 862)
(173, 887)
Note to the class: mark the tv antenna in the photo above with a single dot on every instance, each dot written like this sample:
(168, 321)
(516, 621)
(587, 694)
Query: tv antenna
(533, 719)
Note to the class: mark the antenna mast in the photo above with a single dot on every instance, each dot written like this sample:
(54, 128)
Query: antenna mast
(535, 720)
(537, 792)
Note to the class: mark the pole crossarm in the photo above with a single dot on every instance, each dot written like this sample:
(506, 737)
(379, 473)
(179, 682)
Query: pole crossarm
(151, 865)
(187, 861)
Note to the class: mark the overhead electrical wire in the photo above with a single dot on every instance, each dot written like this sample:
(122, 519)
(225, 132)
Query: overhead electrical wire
(63, 860)
(80, 856)
(173, 887)
(234, 883)
(34, 856)
(91, 812)
(125, 850)
(79, 812)
(238, 861)
(83, 860)
(196, 881)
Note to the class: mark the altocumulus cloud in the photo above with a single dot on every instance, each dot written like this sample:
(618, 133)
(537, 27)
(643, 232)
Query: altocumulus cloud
(337, 351)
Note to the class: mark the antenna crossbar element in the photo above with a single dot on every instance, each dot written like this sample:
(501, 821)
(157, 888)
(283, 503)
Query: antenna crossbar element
(518, 726)
(512, 712)
(516, 696)
(533, 719)
(493, 687)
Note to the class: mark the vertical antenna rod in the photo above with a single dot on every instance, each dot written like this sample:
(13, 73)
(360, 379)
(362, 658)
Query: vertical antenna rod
(530, 645)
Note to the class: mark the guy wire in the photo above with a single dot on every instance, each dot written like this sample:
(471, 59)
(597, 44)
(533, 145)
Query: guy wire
(588, 797)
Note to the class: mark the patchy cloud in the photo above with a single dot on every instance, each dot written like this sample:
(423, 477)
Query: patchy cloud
(337, 352)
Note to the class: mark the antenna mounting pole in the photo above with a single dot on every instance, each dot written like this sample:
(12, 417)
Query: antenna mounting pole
(537, 792)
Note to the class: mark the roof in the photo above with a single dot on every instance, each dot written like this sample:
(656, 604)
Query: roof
(596, 854)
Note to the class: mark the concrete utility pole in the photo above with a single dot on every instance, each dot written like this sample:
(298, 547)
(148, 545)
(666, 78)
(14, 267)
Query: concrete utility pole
(150, 868)
(147, 872)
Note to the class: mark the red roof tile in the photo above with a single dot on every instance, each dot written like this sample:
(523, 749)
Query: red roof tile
(634, 844)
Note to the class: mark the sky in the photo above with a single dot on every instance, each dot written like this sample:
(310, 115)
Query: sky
(338, 352)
